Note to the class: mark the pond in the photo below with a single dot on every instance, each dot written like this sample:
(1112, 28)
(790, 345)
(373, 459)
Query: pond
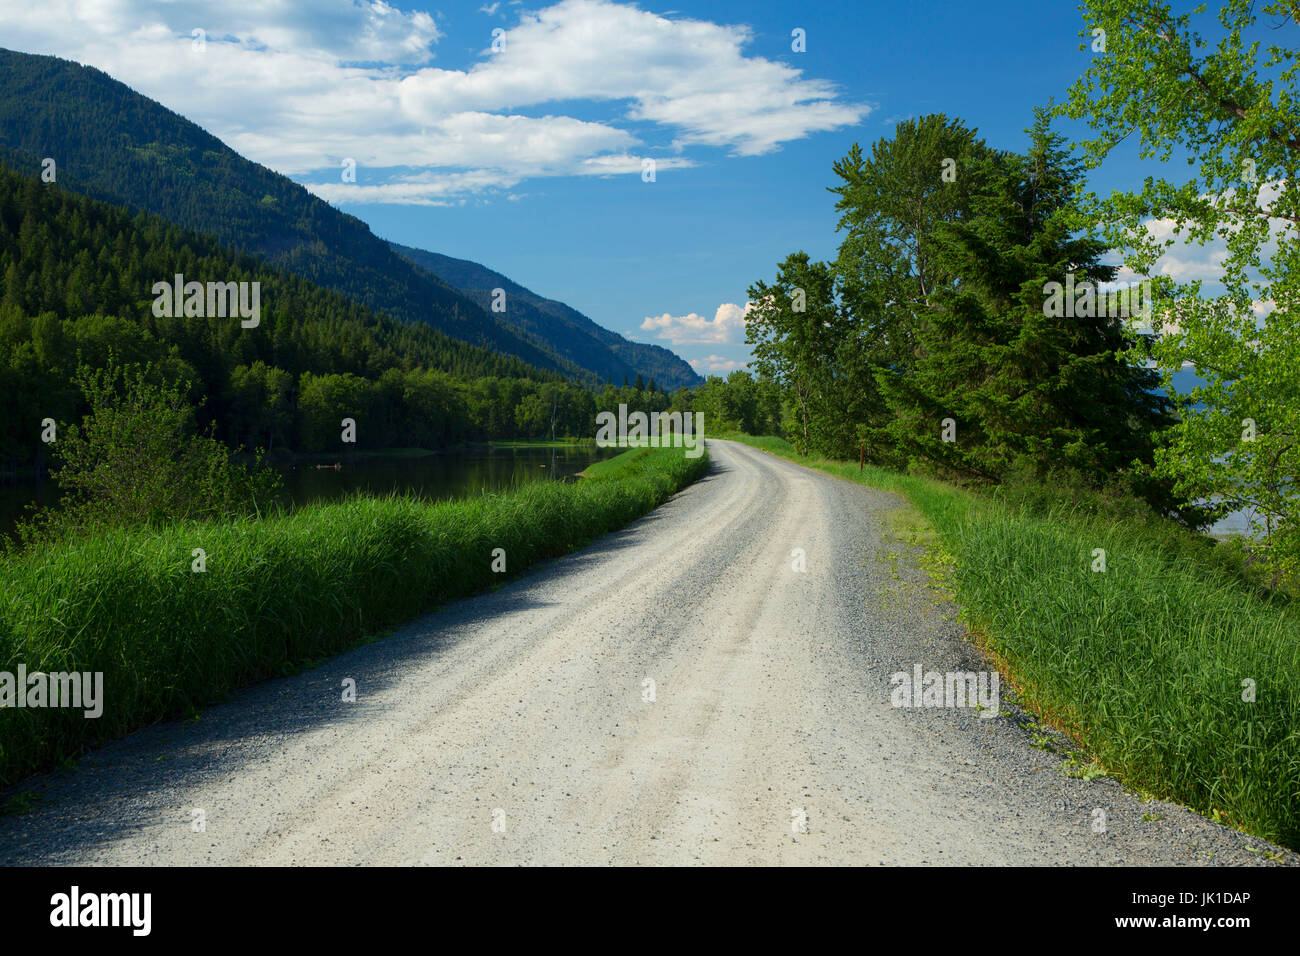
(461, 473)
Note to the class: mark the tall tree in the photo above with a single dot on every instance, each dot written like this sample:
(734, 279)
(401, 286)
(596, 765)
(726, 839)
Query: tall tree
(798, 330)
(1233, 106)
(891, 203)
(1005, 375)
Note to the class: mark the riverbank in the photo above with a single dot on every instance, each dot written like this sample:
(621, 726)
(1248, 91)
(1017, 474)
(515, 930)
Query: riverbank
(279, 456)
(1171, 671)
(172, 630)
(433, 474)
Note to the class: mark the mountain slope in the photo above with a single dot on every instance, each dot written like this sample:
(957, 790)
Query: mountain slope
(565, 329)
(111, 143)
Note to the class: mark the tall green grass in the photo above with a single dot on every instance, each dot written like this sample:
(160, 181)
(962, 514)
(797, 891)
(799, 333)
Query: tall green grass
(1143, 663)
(276, 592)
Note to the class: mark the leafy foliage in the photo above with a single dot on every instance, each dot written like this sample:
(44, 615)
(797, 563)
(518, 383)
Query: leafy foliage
(927, 342)
(1234, 109)
(135, 459)
(1023, 387)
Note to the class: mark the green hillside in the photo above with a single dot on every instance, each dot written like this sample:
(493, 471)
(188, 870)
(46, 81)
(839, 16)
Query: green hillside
(76, 280)
(571, 333)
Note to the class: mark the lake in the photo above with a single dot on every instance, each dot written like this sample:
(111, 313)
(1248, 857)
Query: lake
(1236, 523)
(450, 474)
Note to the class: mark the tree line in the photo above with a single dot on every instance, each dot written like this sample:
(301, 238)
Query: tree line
(926, 343)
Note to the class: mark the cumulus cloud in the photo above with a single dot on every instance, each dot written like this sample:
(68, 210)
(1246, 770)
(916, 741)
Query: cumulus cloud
(1185, 261)
(301, 86)
(716, 364)
(344, 30)
(694, 329)
(690, 75)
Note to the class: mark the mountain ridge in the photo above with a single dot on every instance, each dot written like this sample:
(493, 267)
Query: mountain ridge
(114, 144)
(584, 341)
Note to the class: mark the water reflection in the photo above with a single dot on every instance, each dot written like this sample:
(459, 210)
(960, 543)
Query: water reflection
(453, 474)
(458, 474)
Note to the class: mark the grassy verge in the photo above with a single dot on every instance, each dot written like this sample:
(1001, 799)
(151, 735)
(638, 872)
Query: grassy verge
(628, 461)
(275, 593)
(1146, 664)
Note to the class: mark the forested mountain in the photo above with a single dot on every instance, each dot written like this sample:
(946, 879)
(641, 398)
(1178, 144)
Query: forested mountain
(76, 285)
(566, 329)
(111, 143)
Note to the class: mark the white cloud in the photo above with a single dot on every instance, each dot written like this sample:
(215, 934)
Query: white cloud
(426, 189)
(346, 30)
(1185, 261)
(716, 364)
(614, 164)
(690, 75)
(694, 328)
(300, 86)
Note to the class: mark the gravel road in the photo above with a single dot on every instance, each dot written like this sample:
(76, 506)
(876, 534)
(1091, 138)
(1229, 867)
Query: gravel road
(515, 727)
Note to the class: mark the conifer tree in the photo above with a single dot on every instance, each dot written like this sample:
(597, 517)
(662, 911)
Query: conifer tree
(1024, 385)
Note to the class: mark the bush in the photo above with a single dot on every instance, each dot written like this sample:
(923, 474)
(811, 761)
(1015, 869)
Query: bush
(135, 460)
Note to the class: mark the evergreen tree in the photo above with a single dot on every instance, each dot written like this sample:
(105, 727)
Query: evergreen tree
(77, 279)
(892, 201)
(1024, 385)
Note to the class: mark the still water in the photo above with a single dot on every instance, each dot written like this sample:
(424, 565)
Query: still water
(456, 474)
(1236, 523)
(452, 474)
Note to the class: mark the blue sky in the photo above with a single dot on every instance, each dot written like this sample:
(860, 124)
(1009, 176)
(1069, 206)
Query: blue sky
(620, 250)
(528, 158)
